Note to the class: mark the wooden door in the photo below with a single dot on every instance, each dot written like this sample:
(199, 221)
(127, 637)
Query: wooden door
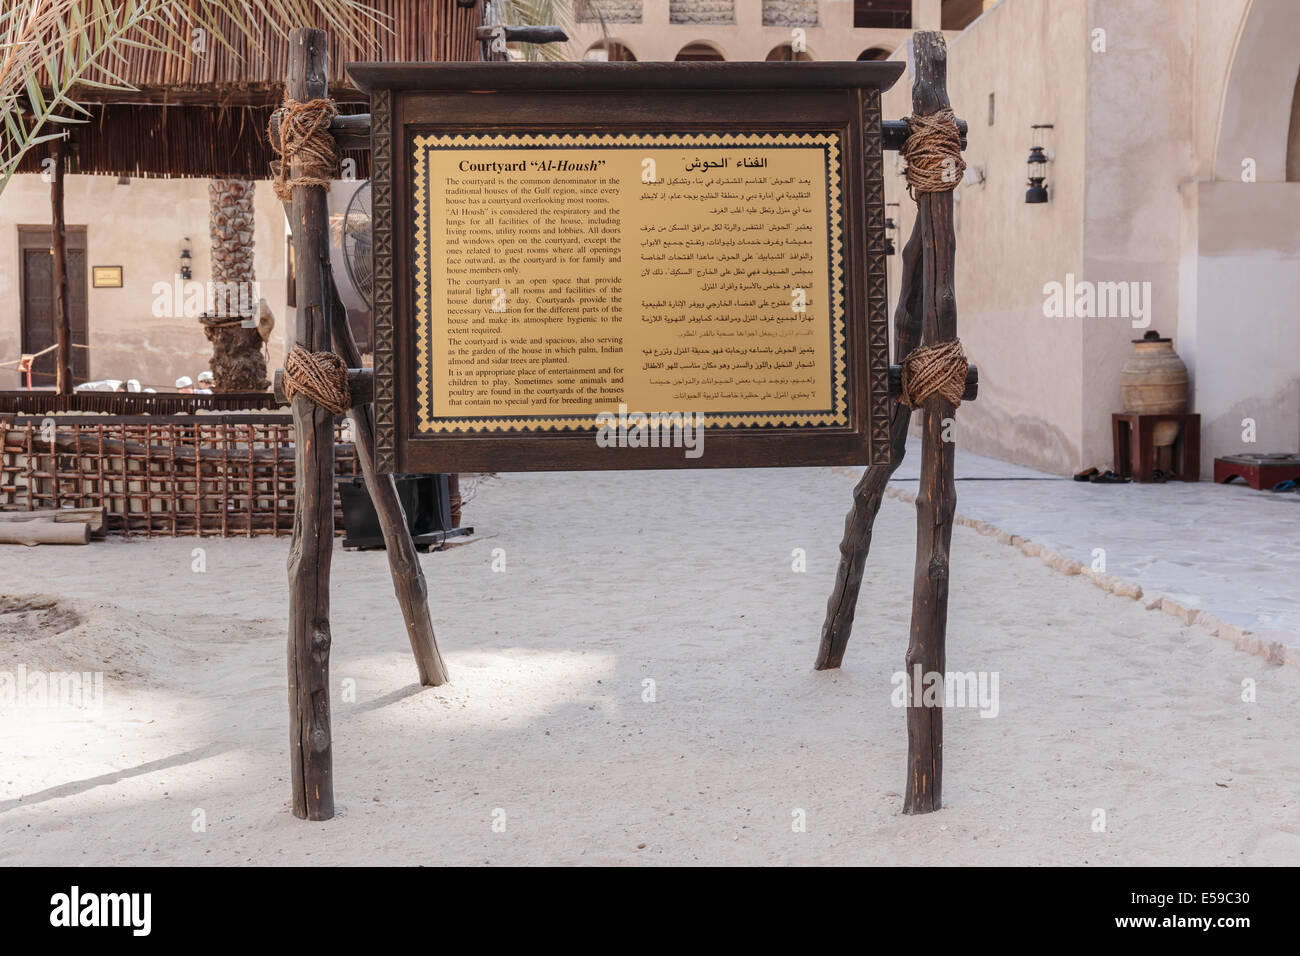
(37, 280)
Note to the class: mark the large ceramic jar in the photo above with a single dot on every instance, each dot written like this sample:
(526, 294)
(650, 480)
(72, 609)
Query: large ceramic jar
(1154, 382)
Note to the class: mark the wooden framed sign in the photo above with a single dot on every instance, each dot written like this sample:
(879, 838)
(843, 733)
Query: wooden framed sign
(586, 266)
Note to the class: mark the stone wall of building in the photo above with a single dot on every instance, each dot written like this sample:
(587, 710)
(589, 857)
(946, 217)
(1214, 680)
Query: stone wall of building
(611, 11)
(702, 11)
(657, 30)
(789, 13)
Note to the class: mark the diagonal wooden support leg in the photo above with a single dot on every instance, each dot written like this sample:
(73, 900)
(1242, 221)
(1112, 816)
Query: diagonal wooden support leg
(870, 491)
(403, 560)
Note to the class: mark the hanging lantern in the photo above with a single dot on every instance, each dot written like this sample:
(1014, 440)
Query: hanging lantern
(186, 259)
(891, 230)
(1037, 164)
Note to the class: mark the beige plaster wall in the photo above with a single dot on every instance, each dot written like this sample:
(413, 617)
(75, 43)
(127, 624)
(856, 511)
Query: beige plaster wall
(1145, 184)
(1140, 148)
(1031, 56)
(1247, 358)
(141, 227)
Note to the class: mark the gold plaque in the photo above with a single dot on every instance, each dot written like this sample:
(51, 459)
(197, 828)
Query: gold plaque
(557, 277)
(106, 277)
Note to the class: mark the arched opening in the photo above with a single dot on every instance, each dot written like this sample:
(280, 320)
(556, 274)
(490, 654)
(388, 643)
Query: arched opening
(786, 52)
(610, 51)
(700, 51)
(875, 53)
(1256, 120)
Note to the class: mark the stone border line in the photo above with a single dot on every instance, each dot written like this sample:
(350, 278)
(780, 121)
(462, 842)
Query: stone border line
(1274, 652)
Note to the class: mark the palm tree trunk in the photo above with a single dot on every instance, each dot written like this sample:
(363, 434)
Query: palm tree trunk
(238, 364)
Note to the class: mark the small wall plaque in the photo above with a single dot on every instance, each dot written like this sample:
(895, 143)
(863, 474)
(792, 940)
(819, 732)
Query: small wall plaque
(106, 277)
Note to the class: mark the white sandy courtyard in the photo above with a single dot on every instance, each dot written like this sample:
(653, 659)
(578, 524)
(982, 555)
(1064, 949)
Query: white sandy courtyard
(611, 580)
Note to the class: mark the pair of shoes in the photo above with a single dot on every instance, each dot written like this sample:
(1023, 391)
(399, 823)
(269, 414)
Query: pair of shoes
(1109, 478)
(1086, 475)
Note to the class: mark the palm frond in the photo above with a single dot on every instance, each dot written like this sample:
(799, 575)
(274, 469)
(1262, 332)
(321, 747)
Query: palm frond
(533, 13)
(51, 48)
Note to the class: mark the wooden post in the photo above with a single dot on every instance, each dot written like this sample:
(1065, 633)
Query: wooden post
(313, 521)
(870, 491)
(936, 499)
(59, 249)
(403, 560)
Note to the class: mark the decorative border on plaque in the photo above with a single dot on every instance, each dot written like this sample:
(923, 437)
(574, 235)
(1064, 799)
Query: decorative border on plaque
(837, 415)
(878, 431)
(381, 200)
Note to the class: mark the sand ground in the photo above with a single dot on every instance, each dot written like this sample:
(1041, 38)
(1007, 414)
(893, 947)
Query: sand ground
(610, 580)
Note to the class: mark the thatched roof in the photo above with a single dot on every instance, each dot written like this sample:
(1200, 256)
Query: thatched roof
(209, 142)
(206, 115)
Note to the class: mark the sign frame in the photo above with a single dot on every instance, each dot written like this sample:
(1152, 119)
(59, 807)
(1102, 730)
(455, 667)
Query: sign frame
(408, 100)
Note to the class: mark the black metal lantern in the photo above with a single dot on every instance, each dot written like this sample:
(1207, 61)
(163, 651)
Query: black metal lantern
(1037, 163)
(891, 228)
(186, 272)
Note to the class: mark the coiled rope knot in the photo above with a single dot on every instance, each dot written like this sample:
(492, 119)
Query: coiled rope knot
(300, 133)
(319, 377)
(933, 153)
(934, 370)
